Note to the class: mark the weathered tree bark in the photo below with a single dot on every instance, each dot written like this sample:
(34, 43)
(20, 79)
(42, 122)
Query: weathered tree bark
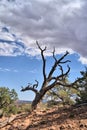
(49, 81)
(37, 99)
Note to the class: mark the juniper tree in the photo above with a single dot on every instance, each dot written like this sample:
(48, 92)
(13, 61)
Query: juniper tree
(49, 81)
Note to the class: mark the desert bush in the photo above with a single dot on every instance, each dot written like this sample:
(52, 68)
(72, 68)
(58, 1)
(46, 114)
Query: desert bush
(7, 100)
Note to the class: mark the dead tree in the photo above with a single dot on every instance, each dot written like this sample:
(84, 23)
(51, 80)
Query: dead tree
(49, 81)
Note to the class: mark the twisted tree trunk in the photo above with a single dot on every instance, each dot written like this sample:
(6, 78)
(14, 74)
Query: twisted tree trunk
(49, 81)
(37, 99)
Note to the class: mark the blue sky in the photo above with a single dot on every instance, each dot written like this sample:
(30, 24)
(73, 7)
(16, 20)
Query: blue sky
(53, 23)
(20, 70)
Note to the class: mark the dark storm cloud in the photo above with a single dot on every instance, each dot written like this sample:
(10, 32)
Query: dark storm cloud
(59, 23)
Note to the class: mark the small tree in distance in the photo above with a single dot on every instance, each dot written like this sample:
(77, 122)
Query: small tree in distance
(82, 88)
(49, 81)
(7, 99)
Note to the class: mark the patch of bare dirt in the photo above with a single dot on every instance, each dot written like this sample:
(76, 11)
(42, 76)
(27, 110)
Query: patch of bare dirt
(67, 118)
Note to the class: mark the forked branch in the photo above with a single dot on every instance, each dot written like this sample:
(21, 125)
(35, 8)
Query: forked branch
(50, 80)
(56, 63)
(58, 79)
(43, 59)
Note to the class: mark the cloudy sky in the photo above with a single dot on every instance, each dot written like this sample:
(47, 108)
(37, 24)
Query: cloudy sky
(53, 23)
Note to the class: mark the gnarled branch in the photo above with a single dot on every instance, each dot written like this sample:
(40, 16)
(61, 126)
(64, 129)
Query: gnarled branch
(31, 87)
(58, 62)
(61, 76)
(57, 80)
(35, 85)
(49, 81)
(43, 59)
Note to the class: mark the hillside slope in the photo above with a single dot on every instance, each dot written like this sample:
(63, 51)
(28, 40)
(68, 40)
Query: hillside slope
(65, 118)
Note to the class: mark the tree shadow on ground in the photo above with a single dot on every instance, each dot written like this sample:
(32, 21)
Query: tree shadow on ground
(18, 119)
(57, 117)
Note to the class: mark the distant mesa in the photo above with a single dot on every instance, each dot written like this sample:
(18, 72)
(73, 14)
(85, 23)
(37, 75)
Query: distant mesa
(23, 101)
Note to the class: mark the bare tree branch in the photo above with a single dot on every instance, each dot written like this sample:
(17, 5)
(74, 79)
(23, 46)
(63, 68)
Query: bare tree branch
(57, 80)
(73, 85)
(61, 75)
(65, 61)
(49, 81)
(35, 85)
(56, 64)
(54, 55)
(56, 94)
(31, 87)
(43, 58)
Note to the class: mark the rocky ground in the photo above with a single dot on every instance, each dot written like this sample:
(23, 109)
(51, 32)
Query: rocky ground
(65, 118)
